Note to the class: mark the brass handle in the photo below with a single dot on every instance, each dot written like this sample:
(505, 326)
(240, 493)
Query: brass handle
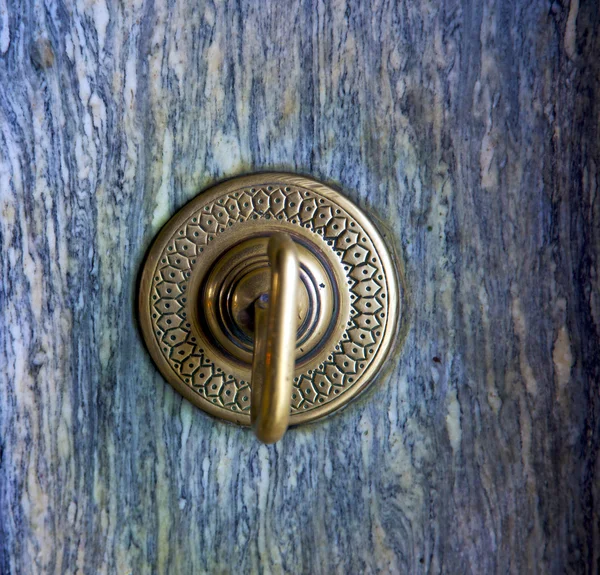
(209, 266)
(275, 343)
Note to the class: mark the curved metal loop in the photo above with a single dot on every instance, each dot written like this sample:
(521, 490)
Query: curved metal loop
(275, 343)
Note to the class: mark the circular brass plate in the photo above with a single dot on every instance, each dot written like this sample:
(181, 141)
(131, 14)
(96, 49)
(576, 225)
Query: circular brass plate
(186, 251)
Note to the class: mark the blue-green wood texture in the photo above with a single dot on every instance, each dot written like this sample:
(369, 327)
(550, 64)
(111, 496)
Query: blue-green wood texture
(471, 128)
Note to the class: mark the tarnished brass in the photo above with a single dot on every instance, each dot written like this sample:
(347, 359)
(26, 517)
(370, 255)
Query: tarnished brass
(275, 342)
(212, 300)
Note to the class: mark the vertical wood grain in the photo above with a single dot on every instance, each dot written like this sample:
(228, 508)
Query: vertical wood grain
(472, 129)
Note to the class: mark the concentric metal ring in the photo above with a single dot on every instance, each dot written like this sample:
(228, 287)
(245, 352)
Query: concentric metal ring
(356, 333)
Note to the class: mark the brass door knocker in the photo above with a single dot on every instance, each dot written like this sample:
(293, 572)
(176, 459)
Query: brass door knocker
(269, 300)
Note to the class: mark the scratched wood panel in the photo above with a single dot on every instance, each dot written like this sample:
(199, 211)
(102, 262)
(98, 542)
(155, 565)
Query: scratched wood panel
(472, 129)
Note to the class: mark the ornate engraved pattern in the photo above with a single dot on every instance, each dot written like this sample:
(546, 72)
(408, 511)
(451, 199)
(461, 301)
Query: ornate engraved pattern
(307, 208)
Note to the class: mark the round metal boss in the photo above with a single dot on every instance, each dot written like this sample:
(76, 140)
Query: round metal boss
(208, 265)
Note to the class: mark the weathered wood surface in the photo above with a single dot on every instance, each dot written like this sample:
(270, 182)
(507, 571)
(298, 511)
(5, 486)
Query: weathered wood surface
(471, 128)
